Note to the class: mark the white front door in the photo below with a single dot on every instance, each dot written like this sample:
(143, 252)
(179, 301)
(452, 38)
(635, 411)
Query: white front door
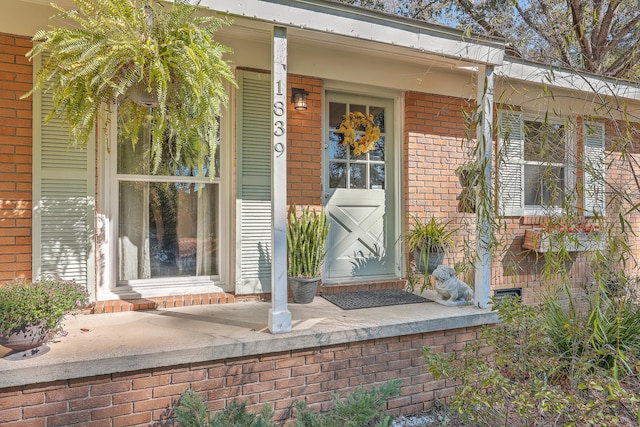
(359, 194)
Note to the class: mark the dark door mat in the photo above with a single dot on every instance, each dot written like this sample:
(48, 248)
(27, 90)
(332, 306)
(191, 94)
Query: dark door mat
(368, 299)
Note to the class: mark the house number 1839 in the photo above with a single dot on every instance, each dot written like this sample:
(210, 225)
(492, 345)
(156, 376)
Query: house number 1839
(278, 125)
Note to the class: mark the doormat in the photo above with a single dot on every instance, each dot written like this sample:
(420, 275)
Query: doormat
(369, 299)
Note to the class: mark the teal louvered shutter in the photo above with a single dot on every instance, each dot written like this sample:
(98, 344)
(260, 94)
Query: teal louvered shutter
(594, 184)
(511, 169)
(254, 184)
(63, 200)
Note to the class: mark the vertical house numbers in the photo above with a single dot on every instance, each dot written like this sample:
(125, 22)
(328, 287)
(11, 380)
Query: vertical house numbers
(279, 117)
(279, 113)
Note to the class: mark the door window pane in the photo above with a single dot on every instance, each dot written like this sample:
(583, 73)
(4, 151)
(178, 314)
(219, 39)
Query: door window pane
(336, 112)
(377, 154)
(357, 176)
(378, 117)
(337, 175)
(336, 149)
(377, 177)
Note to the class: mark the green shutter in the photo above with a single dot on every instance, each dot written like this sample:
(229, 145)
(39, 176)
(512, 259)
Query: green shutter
(254, 184)
(511, 169)
(63, 200)
(594, 184)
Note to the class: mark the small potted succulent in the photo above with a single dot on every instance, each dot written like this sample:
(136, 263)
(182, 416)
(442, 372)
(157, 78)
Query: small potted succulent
(31, 313)
(428, 242)
(306, 235)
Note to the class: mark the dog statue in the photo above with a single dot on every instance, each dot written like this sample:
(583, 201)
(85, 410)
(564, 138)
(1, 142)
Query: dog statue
(451, 290)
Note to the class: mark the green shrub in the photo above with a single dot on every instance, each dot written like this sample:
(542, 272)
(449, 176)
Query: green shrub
(360, 408)
(540, 377)
(192, 412)
(43, 302)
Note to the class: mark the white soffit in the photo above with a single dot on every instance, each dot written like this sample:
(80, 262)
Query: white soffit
(561, 78)
(339, 19)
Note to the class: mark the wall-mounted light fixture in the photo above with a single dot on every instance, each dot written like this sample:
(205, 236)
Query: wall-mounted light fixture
(299, 98)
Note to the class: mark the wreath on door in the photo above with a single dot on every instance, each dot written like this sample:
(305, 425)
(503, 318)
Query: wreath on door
(357, 120)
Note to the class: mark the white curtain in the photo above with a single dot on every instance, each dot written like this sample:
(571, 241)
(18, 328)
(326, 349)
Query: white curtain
(133, 238)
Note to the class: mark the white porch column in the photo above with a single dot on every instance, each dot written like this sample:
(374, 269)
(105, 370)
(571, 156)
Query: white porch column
(484, 211)
(279, 315)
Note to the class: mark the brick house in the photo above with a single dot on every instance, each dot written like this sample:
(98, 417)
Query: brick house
(63, 210)
(74, 213)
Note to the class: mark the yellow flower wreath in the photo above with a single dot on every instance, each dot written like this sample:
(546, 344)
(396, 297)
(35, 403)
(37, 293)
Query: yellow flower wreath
(351, 122)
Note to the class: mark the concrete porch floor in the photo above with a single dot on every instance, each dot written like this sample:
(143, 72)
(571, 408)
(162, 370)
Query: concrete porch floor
(101, 344)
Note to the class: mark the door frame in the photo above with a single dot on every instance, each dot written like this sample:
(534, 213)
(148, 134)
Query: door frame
(397, 99)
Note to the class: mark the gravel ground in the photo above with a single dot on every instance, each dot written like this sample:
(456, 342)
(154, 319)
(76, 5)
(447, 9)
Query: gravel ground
(420, 421)
(439, 416)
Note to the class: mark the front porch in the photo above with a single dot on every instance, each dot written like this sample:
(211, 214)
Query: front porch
(129, 368)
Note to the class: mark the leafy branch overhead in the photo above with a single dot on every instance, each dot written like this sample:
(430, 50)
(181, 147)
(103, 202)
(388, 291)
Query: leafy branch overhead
(108, 49)
(598, 36)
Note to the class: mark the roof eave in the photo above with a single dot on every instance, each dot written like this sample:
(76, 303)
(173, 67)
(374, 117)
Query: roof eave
(359, 23)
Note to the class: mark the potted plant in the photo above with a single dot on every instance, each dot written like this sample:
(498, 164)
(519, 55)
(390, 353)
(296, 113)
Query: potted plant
(428, 241)
(468, 174)
(306, 235)
(31, 313)
(158, 63)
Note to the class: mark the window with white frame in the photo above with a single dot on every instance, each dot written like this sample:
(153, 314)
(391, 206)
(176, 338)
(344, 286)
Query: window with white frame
(168, 220)
(545, 164)
(535, 172)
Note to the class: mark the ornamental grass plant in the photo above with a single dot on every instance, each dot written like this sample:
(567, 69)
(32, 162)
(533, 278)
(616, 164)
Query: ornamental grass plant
(306, 236)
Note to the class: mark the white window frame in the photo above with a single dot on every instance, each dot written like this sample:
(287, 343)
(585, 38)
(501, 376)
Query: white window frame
(107, 219)
(570, 170)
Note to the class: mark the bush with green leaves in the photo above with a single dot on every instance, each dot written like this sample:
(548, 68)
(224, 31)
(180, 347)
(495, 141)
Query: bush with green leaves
(360, 408)
(43, 302)
(193, 412)
(538, 377)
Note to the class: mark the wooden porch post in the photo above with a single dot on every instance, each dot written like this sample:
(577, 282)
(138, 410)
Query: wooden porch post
(484, 215)
(279, 315)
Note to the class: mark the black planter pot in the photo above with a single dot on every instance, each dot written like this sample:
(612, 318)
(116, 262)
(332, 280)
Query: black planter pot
(303, 290)
(429, 263)
(468, 178)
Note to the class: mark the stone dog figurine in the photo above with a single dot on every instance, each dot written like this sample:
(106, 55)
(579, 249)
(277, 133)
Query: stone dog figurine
(451, 289)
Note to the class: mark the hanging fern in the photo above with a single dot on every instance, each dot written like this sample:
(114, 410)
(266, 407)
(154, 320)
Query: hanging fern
(112, 46)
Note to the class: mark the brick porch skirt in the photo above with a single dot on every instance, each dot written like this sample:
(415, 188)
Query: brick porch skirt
(147, 397)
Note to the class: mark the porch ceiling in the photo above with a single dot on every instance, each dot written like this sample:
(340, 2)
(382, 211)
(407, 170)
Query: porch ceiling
(260, 32)
(342, 24)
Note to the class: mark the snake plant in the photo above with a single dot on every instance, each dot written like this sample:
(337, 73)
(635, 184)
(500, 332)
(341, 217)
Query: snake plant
(306, 235)
(113, 47)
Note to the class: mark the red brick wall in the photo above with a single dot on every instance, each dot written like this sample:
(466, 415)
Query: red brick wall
(434, 136)
(15, 158)
(314, 375)
(304, 145)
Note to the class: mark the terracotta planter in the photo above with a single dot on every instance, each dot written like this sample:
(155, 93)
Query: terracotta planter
(26, 338)
(303, 290)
